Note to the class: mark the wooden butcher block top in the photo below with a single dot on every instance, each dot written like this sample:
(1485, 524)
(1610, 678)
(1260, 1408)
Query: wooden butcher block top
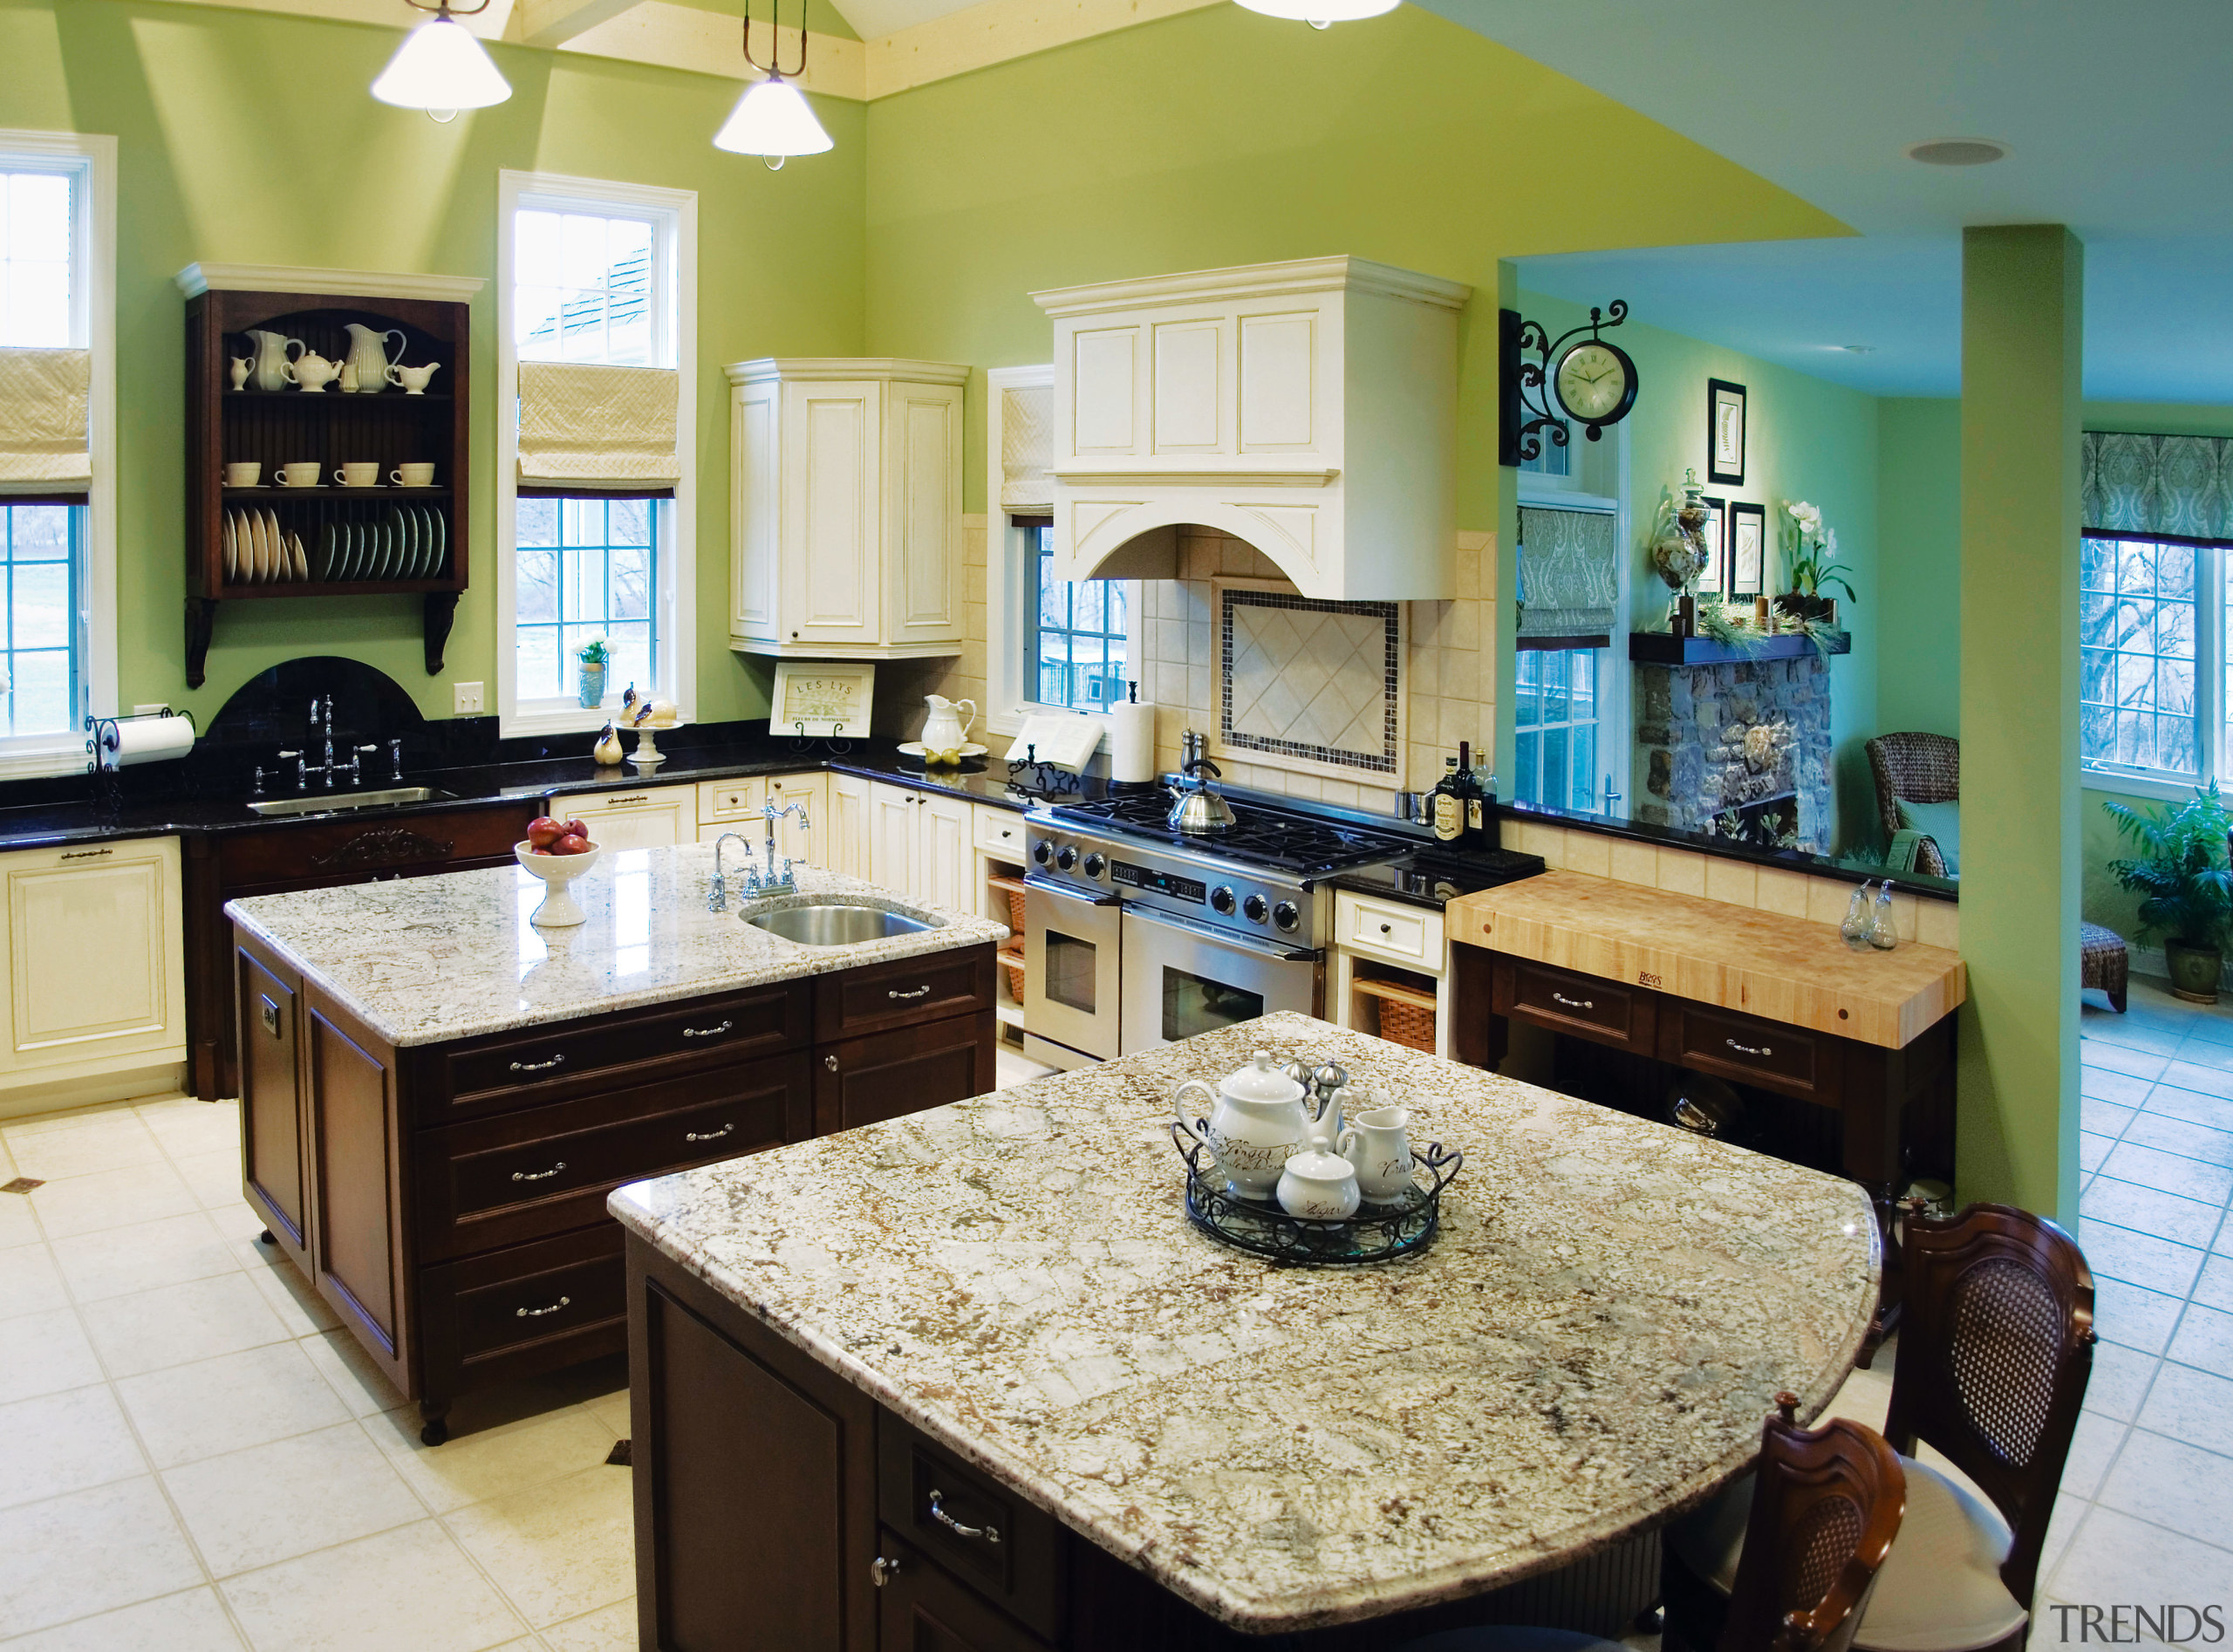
(1782, 969)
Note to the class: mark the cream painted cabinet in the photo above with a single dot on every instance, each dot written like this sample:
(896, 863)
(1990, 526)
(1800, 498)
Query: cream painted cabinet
(920, 846)
(95, 963)
(735, 805)
(642, 818)
(845, 841)
(893, 838)
(845, 507)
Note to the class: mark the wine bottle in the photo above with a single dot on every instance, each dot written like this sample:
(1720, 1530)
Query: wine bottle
(1449, 812)
(1469, 788)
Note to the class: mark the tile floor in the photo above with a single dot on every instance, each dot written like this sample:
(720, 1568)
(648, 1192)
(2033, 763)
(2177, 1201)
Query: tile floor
(201, 1461)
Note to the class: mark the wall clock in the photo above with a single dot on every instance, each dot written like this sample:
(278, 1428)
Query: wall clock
(1591, 380)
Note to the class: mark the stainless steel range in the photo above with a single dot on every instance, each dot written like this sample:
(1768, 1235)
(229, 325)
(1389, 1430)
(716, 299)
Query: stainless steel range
(1140, 935)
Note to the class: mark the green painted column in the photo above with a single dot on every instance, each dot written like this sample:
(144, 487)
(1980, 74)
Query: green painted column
(1504, 659)
(2017, 1129)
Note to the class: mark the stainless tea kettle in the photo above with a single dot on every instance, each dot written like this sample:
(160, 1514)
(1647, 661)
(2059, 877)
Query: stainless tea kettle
(1195, 806)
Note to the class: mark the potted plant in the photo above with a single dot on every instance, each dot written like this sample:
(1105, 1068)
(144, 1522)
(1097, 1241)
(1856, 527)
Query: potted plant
(2184, 883)
(596, 660)
(1810, 551)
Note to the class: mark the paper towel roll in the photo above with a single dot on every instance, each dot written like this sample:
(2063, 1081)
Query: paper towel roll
(146, 739)
(1131, 742)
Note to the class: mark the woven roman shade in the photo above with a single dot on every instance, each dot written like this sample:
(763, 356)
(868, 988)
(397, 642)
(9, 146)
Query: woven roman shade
(594, 430)
(1028, 448)
(1569, 576)
(2160, 487)
(43, 398)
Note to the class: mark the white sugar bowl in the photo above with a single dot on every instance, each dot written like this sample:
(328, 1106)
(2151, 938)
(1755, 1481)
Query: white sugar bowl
(1318, 1185)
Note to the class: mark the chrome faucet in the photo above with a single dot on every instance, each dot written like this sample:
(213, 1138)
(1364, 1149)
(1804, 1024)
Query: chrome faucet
(717, 897)
(330, 770)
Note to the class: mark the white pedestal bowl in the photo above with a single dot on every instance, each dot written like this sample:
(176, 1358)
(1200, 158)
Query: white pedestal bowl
(559, 909)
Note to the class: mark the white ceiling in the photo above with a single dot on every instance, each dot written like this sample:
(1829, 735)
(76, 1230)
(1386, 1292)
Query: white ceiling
(2115, 119)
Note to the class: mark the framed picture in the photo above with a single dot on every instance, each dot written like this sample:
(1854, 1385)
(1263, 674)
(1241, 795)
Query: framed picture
(1725, 431)
(1713, 578)
(821, 699)
(1748, 543)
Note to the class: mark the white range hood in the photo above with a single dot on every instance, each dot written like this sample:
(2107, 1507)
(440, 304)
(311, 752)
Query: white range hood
(1309, 408)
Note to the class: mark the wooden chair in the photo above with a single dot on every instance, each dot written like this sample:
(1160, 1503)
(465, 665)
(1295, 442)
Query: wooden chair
(1924, 769)
(1824, 1509)
(1995, 1350)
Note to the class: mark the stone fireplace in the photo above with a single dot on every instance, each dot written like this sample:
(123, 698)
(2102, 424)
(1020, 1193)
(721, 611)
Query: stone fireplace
(1738, 748)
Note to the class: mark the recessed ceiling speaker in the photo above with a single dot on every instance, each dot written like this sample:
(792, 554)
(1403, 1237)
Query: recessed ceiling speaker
(1957, 152)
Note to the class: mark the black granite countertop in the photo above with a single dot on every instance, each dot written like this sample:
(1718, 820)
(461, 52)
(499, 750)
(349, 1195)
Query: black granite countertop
(1431, 877)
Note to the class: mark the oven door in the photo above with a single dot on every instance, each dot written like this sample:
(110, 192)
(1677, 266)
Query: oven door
(1070, 974)
(1181, 979)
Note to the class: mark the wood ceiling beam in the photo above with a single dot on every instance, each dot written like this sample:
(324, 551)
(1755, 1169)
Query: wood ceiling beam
(553, 23)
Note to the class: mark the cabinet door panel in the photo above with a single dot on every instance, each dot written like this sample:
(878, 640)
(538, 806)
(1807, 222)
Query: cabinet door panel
(945, 859)
(845, 842)
(755, 495)
(1189, 359)
(894, 831)
(1279, 365)
(650, 819)
(1105, 390)
(271, 1133)
(921, 1609)
(353, 1138)
(923, 524)
(89, 955)
(799, 839)
(832, 535)
(865, 1081)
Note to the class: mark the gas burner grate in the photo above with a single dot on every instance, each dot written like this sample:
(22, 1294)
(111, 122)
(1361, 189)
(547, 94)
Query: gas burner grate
(1260, 837)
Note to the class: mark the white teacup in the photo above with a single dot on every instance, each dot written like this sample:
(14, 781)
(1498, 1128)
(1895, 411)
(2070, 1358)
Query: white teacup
(363, 474)
(413, 379)
(413, 476)
(243, 475)
(300, 475)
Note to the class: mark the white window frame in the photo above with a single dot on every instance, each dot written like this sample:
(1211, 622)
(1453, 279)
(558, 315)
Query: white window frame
(91, 158)
(1616, 742)
(674, 215)
(2211, 735)
(1009, 594)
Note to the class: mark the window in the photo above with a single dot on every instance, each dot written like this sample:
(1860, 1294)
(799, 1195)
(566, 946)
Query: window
(1556, 714)
(597, 275)
(57, 548)
(1075, 634)
(2152, 702)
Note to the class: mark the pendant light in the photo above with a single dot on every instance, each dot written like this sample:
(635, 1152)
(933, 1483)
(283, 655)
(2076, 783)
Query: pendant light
(441, 68)
(1320, 14)
(773, 119)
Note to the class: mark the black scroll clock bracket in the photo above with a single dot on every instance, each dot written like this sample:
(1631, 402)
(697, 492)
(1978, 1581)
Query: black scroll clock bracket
(1530, 388)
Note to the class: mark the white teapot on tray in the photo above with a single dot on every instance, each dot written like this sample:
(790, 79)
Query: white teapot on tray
(1257, 1119)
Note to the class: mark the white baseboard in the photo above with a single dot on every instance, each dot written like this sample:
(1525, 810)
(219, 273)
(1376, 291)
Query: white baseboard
(58, 1095)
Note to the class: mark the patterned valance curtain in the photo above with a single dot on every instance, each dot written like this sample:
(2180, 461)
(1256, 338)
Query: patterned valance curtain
(2167, 487)
(1569, 576)
(1028, 448)
(594, 430)
(43, 398)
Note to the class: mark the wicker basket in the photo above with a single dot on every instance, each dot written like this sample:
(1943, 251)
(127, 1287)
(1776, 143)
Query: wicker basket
(1012, 888)
(1011, 962)
(1406, 1013)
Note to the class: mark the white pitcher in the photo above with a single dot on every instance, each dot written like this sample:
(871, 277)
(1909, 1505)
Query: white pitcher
(1376, 1143)
(368, 356)
(943, 731)
(1256, 1121)
(275, 368)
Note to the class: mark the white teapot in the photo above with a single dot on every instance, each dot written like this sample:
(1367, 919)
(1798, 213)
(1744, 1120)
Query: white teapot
(943, 731)
(314, 373)
(1318, 1185)
(1256, 1121)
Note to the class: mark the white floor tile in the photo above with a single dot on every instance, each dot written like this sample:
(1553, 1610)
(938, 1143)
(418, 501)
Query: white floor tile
(2174, 1134)
(2146, 1210)
(111, 1199)
(2215, 1111)
(492, 1462)
(180, 1323)
(2147, 1064)
(193, 1621)
(610, 1629)
(611, 1409)
(2166, 1482)
(2207, 1080)
(2192, 1406)
(118, 1261)
(560, 1550)
(89, 1552)
(2120, 1381)
(2069, 1511)
(106, 1142)
(2118, 1558)
(30, 1283)
(2174, 1173)
(270, 1503)
(2138, 1259)
(2215, 1288)
(2092, 1447)
(2106, 1093)
(66, 1441)
(280, 1284)
(45, 1353)
(214, 1178)
(360, 1383)
(187, 1127)
(18, 1227)
(185, 1413)
(2204, 1340)
(409, 1588)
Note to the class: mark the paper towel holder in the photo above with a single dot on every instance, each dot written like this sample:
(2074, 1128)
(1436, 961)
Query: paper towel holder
(102, 740)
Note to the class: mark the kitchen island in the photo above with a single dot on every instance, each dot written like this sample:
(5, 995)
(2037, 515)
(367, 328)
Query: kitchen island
(437, 1096)
(971, 1374)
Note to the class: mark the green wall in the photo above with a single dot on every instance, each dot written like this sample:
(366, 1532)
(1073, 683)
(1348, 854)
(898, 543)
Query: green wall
(247, 137)
(1224, 137)
(1919, 564)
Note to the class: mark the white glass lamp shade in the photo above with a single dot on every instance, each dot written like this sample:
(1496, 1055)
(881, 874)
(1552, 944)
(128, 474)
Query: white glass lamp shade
(1321, 12)
(773, 118)
(440, 65)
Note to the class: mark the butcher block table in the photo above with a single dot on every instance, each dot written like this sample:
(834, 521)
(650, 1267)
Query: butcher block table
(1758, 999)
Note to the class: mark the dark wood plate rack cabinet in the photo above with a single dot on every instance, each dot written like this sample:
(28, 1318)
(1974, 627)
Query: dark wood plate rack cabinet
(225, 426)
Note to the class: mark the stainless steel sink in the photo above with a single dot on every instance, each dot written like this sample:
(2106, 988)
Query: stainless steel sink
(835, 926)
(331, 802)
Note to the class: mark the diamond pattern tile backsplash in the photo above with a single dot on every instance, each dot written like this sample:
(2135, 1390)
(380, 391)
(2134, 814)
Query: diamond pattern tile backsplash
(1309, 678)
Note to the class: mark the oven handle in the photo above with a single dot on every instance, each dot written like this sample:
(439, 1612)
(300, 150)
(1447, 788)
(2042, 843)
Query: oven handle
(1063, 891)
(1224, 938)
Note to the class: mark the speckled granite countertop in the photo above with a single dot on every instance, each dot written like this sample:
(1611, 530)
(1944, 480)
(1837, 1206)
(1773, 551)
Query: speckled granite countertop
(1591, 1343)
(424, 960)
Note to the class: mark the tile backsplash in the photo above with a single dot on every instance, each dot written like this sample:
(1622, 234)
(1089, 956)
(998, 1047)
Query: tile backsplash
(1316, 684)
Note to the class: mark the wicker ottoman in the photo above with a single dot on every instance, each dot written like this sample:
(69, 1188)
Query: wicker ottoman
(2103, 962)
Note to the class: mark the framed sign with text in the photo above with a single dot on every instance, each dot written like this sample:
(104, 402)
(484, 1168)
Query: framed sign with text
(822, 699)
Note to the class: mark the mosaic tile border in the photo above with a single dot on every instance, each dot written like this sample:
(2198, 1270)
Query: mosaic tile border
(1387, 763)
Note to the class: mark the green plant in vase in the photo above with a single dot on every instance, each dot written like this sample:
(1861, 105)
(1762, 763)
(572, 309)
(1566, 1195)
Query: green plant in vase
(2185, 885)
(1810, 552)
(595, 658)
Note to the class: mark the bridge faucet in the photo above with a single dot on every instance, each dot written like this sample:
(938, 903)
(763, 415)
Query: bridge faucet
(717, 897)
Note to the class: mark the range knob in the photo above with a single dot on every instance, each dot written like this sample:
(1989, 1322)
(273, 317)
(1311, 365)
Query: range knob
(1043, 852)
(1252, 909)
(1067, 858)
(1094, 863)
(1286, 916)
(1221, 897)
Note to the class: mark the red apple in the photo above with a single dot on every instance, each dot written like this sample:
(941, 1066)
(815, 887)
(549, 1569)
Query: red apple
(575, 828)
(573, 844)
(543, 831)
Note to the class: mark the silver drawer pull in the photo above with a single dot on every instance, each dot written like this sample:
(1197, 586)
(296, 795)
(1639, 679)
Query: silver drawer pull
(85, 854)
(990, 1533)
(708, 1032)
(538, 1067)
(539, 1175)
(1573, 1003)
(709, 1135)
(920, 992)
(1746, 1049)
(537, 1313)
